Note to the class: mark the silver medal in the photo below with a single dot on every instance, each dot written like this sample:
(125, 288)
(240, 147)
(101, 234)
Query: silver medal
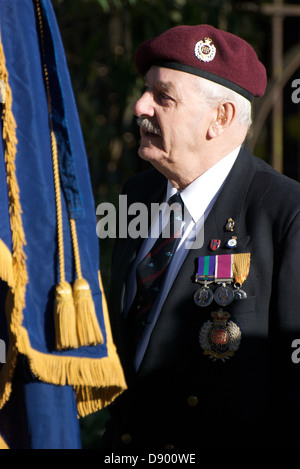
(239, 294)
(224, 295)
(203, 296)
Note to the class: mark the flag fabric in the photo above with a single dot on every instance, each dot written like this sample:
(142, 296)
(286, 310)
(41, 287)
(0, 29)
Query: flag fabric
(60, 360)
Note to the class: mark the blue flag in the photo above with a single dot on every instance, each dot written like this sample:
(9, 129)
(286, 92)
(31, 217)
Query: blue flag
(59, 360)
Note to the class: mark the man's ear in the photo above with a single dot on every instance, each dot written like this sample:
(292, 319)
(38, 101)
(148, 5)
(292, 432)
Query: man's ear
(222, 120)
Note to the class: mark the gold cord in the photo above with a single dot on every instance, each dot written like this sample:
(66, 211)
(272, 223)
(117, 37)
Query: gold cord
(64, 308)
(75, 248)
(76, 322)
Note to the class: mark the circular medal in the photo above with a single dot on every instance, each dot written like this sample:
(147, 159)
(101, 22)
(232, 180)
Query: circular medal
(240, 294)
(203, 296)
(224, 295)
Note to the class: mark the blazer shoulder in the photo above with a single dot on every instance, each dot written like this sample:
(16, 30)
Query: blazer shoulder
(274, 195)
(276, 184)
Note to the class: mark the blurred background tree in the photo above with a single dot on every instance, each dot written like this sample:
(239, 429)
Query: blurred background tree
(100, 38)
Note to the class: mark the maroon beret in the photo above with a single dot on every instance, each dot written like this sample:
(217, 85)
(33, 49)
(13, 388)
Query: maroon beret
(207, 52)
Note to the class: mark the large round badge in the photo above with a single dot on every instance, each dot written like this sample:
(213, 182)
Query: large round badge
(203, 296)
(224, 295)
(220, 338)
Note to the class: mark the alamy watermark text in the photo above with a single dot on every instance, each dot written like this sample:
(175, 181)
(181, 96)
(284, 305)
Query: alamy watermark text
(135, 221)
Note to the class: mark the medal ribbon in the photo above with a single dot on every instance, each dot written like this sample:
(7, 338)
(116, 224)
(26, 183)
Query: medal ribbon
(206, 266)
(241, 267)
(224, 267)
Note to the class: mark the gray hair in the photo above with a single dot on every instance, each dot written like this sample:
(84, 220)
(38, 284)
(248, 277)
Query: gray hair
(217, 94)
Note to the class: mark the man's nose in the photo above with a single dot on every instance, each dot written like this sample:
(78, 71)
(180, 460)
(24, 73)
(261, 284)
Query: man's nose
(144, 105)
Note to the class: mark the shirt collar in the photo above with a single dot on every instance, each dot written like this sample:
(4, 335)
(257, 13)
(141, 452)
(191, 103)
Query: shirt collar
(201, 193)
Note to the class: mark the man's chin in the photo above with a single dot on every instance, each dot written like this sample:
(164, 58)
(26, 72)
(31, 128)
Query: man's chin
(150, 152)
(146, 153)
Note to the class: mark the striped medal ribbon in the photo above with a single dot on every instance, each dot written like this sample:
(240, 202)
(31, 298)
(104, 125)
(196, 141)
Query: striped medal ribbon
(240, 270)
(205, 275)
(224, 294)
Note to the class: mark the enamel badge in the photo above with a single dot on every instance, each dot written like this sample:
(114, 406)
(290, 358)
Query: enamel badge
(232, 243)
(220, 338)
(215, 244)
(205, 50)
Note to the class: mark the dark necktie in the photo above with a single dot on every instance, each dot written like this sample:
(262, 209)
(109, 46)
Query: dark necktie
(151, 270)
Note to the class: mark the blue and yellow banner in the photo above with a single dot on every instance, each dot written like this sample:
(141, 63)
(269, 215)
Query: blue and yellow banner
(60, 361)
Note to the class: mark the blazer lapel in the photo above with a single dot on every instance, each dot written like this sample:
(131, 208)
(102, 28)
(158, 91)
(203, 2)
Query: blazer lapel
(230, 204)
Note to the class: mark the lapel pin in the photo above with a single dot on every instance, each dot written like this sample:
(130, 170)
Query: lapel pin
(215, 244)
(229, 224)
(231, 243)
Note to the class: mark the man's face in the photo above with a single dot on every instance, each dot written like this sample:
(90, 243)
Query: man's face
(174, 119)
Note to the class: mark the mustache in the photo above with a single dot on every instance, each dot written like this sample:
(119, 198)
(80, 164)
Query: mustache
(146, 124)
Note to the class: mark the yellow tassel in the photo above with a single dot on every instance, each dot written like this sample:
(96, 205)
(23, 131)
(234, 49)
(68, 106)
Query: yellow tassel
(88, 329)
(65, 317)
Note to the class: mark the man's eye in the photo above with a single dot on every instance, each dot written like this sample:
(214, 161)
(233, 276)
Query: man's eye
(165, 96)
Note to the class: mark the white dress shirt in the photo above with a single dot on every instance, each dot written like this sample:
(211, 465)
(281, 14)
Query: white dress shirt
(198, 199)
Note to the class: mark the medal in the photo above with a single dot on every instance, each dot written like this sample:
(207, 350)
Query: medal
(220, 338)
(205, 275)
(240, 270)
(203, 296)
(223, 270)
(224, 294)
(239, 294)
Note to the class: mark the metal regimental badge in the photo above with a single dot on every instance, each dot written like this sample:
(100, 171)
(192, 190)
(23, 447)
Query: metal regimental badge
(229, 224)
(205, 50)
(220, 338)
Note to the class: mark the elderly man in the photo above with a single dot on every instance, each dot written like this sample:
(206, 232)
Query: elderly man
(206, 321)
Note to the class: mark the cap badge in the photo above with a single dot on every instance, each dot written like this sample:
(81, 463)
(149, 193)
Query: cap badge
(205, 50)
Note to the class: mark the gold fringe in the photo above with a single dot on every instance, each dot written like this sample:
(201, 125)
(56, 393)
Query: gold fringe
(18, 276)
(88, 329)
(91, 399)
(3, 445)
(97, 381)
(6, 265)
(7, 370)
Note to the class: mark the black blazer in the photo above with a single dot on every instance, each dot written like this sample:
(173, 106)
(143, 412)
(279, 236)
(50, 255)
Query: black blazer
(181, 398)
